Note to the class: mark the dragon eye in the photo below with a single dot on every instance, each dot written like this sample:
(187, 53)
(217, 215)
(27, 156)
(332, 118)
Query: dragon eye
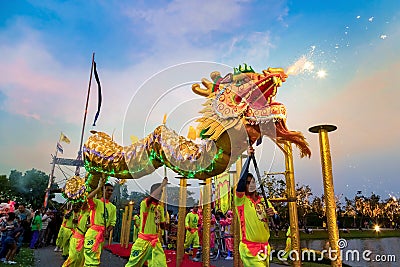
(237, 99)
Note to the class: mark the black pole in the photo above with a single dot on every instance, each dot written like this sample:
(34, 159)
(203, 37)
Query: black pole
(84, 117)
(262, 188)
(259, 180)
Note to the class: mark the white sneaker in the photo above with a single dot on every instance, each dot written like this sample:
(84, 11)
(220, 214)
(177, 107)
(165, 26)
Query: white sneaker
(229, 258)
(11, 262)
(56, 249)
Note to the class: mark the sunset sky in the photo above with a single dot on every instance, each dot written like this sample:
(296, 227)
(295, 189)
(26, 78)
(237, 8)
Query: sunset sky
(45, 58)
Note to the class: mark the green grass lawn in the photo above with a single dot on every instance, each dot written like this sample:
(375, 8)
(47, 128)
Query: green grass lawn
(25, 258)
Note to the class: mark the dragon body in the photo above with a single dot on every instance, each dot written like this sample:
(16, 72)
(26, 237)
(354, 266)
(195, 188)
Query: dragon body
(239, 109)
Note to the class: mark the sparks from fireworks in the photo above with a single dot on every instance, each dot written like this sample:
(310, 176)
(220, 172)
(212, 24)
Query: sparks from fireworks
(304, 65)
(321, 74)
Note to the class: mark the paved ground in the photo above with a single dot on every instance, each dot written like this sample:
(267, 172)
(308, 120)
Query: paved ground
(46, 257)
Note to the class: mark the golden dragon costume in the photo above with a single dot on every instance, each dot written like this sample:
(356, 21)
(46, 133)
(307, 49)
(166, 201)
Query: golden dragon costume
(239, 110)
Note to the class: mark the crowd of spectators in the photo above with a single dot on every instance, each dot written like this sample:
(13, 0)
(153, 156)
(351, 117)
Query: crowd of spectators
(23, 225)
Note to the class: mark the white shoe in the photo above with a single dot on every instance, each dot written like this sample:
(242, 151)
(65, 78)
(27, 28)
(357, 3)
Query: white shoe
(229, 258)
(11, 262)
(56, 249)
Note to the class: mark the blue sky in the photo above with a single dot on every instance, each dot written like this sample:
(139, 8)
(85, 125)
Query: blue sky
(46, 48)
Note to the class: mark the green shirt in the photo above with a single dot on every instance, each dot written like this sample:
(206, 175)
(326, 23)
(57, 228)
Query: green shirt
(192, 220)
(83, 221)
(136, 221)
(69, 223)
(251, 227)
(37, 223)
(151, 215)
(97, 212)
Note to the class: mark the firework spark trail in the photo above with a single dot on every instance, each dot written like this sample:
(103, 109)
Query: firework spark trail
(306, 65)
(300, 66)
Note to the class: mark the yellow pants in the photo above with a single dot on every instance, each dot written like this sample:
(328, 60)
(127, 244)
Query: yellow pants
(135, 234)
(288, 248)
(249, 260)
(75, 257)
(192, 238)
(59, 237)
(66, 236)
(92, 258)
(143, 251)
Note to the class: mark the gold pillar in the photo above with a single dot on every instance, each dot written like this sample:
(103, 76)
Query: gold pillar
(128, 224)
(329, 193)
(163, 204)
(217, 194)
(123, 226)
(110, 237)
(181, 222)
(237, 262)
(291, 194)
(206, 223)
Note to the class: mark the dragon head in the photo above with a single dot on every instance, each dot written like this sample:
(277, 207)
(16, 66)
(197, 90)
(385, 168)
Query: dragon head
(248, 98)
(243, 96)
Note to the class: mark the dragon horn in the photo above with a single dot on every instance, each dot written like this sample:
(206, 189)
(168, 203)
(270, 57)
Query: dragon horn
(200, 91)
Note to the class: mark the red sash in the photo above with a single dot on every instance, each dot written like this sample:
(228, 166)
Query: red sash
(255, 247)
(152, 238)
(100, 229)
(81, 240)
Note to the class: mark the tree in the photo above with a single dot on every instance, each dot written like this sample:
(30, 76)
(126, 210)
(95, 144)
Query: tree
(6, 191)
(318, 206)
(124, 192)
(391, 209)
(137, 198)
(30, 187)
(303, 193)
(350, 210)
(276, 188)
(173, 198)
(5, 183)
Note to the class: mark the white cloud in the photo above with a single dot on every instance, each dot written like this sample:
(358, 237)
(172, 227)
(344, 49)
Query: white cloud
(252, 48)
(182, 19)
(34, 82)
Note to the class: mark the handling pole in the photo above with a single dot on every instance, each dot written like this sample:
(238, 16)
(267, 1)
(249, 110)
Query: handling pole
(181, 222)
(206, 223)
(237, 262)
(77, 170)
(51, 176)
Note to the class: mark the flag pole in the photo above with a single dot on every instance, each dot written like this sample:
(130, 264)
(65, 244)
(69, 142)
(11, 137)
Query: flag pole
(84, 117)
(51, 176)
